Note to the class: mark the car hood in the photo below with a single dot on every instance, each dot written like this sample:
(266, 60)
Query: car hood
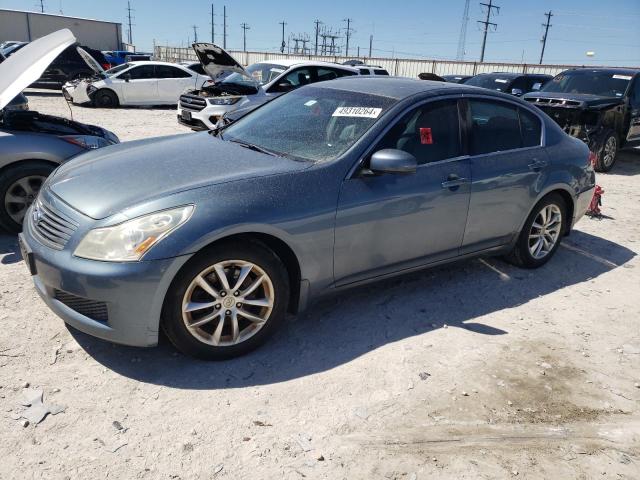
(104, 182)
(89, 60)
(217, 62)
(28, 64)
(571, 100)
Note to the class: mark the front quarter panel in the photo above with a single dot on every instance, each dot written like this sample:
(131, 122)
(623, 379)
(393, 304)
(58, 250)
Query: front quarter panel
(19, 146)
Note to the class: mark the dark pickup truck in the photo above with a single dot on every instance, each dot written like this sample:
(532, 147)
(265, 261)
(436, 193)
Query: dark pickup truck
(600, 106)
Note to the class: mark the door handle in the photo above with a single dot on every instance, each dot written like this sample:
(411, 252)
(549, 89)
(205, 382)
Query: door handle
(537, 165)
(454, 181)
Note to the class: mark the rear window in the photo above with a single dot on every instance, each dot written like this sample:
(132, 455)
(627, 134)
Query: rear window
(493, 82)
(380, 72)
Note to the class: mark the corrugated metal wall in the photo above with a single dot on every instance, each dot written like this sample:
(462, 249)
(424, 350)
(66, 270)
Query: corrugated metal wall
(395, 66)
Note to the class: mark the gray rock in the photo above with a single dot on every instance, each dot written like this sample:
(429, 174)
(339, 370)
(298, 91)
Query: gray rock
(35, 413)
(31, 396)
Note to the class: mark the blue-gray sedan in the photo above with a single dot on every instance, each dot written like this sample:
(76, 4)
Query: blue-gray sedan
(216, 236)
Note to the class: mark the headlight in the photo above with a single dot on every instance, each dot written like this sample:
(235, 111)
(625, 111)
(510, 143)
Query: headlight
(129, 241)
(224, 100)
(86, 141)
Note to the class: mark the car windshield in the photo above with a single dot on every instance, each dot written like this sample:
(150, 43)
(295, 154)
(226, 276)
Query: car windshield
(116, 70)
(312, 124)
(590, 82)
(261, 73)
(493, 82)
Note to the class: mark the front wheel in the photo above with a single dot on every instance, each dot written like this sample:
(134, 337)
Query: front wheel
(227, 301)
(607, 154)
(541, 234)
(105, 99)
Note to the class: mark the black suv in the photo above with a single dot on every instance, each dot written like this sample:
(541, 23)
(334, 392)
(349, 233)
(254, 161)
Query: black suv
(68, 66)
(514, 83)
(600, 106)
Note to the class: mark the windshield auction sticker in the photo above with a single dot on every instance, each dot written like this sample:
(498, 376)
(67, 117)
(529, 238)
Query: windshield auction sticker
(358, 112)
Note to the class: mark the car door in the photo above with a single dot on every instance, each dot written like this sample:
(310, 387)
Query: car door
(633, 134)
(389, 222)
(290, 80)
(508, 163)
(172, 81)
(140, 85)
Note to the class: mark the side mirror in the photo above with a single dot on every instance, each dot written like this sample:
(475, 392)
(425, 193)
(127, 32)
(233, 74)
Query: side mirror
(393, 161)
(284, 87)
(127, 77)
(536, 86)
(517, 92)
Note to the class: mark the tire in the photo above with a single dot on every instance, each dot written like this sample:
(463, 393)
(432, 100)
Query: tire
(186, 293)
(607, 154)
(15, 198)
(522, 255)
(105, 98)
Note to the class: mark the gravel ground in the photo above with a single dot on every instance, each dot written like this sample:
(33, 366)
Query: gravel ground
(473, 370)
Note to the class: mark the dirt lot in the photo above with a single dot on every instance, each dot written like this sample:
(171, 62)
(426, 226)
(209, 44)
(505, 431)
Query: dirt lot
(475, 370)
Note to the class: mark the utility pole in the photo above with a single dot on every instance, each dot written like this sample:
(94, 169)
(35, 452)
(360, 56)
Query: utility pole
(195, 34)
(130, 31)
(546, 32)
(370, 45)
(245, 27)
(317, 23)
(462, 39)
(224, 29)
(42, 6)
(348, 20)
(213, 25)
(283, 44)
(490, 6)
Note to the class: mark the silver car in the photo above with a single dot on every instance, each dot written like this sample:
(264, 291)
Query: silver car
(33, 144)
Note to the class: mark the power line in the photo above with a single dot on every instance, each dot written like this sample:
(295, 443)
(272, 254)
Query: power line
(348, 20)
(245, 27)
(462, 40)
(490, 6)
(283, 44)
(546, 32)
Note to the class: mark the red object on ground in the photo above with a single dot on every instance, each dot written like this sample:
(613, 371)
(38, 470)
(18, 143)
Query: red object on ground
(596, 201)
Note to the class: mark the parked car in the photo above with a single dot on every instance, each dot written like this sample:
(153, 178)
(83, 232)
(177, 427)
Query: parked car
(9, 43)
(234, 87)
(371, 70)
(73, 63)
(135, 83)
(32, 144)
(213, 237)
(11, 49)
(600, 106)
(456, 78)
(514, 83)
(118, 57)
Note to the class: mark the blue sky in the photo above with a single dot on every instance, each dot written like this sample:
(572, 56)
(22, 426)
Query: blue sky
(408, 28)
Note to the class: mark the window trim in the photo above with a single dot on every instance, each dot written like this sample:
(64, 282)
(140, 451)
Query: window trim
(543, 136)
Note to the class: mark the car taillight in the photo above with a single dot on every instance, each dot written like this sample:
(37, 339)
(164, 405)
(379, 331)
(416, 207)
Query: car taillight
(106, 66)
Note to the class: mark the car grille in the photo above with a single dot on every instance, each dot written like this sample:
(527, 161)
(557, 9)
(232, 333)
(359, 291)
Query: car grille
(51, 227)
(554, 102)
(192, 102)
(89, 308)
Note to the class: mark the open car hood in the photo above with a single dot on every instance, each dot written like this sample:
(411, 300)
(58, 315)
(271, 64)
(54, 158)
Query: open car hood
(29, 63)
(216, 62)
(89, 60)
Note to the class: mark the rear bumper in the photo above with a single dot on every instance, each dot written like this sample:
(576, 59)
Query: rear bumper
(583, 200)
(118, 302)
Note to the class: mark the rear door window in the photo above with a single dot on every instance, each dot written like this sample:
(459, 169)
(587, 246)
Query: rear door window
(495, 127)
(530, 128)
(166, 71)
(142, 72)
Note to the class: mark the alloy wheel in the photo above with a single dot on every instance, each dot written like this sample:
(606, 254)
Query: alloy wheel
(228, 303)
(545, 231)
(20, 195)
(610, 148)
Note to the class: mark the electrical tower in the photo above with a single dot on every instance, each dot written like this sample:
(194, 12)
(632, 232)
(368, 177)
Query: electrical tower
(462, 40)
(317, 24)
(546, 32)
(490, 6)
(348, 31)
(283, 45)
(130, 24)
(244, 27)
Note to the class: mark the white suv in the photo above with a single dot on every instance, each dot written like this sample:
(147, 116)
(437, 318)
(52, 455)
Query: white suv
(233, 87)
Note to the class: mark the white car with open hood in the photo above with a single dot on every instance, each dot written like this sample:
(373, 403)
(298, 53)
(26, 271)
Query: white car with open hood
(134, 83)
(234, 87)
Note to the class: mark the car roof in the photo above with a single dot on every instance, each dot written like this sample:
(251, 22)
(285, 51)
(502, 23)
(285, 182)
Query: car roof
(155, 62)
(401, 88)
(627, 71)
(291, 62)
(513, 74)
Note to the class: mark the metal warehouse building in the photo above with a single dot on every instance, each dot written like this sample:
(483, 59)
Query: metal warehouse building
(28, 26)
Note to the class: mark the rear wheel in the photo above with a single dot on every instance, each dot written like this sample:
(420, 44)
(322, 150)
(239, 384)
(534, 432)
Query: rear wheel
(105, 99)
(227, 301)
(19, 186)
(542, 233)
(607, 153)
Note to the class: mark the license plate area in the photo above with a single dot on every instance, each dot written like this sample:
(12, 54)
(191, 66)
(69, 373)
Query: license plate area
(186, 116)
